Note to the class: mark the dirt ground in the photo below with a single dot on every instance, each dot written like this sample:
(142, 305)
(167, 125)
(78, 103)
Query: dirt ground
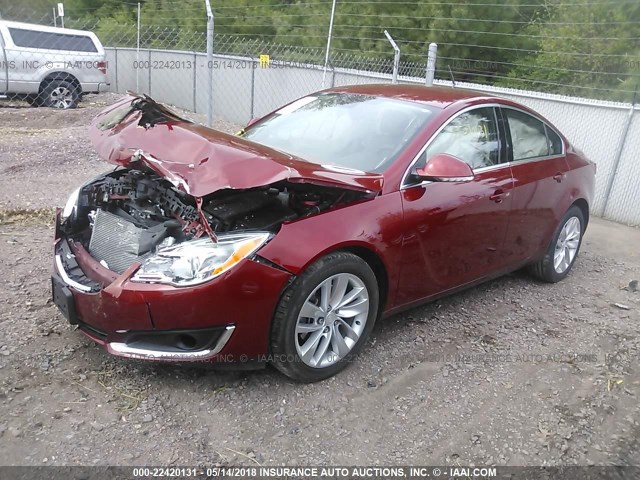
(513, 372)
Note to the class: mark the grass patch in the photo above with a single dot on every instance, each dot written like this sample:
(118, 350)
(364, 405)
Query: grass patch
(31, 132)
(41, 216)
(117, 381)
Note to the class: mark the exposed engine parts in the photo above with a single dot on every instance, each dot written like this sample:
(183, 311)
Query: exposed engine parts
(146, 212)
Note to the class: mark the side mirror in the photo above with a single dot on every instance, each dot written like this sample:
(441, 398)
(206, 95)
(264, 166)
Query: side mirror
(445, 168)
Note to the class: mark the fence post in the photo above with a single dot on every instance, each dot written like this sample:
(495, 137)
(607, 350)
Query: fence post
(326, 53)
(253, 88)
(396, 57)
(138, 53)
(209, 64)
(195, 81)
(616, 160)
(431, 64)
(116, 68)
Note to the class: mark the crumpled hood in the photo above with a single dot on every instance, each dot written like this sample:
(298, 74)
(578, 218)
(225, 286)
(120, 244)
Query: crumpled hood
(199, 160)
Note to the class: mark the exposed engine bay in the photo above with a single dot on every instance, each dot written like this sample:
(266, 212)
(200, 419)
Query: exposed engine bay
(127, 215)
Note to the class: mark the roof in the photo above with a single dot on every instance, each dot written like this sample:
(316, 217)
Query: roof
(434, 96)
(44, 28)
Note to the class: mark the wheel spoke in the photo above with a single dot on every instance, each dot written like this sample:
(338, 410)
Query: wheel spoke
(307, 328)
(323, 346)
(355, 308)
(325, 294)
(349, 297)
(567, 257)
(340, 348)
(573, 243)
(342, 326)
(310, 346)
(563, 234)
(557, 259)
(573, 234)
(338, 290)
(311, 310)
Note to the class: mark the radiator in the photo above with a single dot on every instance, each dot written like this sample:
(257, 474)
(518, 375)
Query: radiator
(114, 241)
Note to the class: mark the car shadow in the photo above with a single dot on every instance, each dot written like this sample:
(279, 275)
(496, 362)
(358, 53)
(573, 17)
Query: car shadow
(407, 323)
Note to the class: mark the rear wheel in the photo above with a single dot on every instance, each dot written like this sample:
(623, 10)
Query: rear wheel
(324, 318)
(60, 94)
(563, 248)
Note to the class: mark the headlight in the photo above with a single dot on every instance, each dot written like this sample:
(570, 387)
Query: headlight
(71, 205)
(198, 261)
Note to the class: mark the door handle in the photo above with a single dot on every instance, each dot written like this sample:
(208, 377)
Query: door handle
(558, 177)
(498, 196)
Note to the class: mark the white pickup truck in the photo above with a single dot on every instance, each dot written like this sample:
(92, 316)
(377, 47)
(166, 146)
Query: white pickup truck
(50, 66)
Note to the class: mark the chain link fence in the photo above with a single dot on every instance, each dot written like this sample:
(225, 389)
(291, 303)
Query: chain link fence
(252, 76)
(48, 67)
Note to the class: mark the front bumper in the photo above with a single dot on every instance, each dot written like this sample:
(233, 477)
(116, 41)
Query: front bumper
(136, 320)
(173, 353)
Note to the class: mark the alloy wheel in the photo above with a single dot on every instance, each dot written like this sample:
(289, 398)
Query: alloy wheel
(61, 97)
(331, 320)
(567, 244)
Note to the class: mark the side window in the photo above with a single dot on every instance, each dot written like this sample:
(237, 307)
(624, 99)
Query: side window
(555, 142)
(51, 41)
(528, 135)
(472, 137)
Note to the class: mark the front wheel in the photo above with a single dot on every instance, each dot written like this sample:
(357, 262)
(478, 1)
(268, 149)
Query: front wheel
(324, 318)
(563, 248)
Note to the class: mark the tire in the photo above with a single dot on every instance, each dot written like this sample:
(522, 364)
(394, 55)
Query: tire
(60, 94)
(547, 268)
(340, 275)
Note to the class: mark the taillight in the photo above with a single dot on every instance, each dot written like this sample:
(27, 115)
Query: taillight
(102, 66)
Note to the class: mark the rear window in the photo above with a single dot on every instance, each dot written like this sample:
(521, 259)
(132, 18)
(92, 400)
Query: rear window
(51, 40)
(555, 143)
(528, 135)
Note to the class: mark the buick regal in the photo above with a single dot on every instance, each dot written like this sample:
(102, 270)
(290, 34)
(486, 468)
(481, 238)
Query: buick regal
(285, 244)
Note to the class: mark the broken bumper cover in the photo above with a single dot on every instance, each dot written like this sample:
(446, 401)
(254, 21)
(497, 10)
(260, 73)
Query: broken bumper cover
(225, 320)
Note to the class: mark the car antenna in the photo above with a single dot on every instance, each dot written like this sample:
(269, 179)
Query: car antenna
(453, 80)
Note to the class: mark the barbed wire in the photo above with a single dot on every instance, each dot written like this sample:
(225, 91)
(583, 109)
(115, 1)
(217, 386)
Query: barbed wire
(540, 82)
(392, 2)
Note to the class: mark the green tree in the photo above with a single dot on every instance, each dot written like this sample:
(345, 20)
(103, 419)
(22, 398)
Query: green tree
(590, 51)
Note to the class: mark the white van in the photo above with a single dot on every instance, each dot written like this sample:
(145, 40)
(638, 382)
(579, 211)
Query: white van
(50, 66)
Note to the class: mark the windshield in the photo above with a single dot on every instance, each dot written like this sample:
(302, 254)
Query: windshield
(348, 130)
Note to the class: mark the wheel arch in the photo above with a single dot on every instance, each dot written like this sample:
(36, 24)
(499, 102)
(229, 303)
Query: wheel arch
(60, 75)
(583, 205)
(372, 258)
(377, 265)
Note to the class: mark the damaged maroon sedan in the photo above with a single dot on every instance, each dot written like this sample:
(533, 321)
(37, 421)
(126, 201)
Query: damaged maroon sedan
(285, 243)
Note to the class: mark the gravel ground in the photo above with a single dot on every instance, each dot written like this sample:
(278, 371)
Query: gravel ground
(513, 372)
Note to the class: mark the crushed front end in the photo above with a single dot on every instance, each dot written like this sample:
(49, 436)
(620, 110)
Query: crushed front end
(149, 271)
(137, 272)
(160, 258)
